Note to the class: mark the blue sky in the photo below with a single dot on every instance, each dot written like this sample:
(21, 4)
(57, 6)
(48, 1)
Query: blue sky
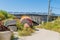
(29, 5)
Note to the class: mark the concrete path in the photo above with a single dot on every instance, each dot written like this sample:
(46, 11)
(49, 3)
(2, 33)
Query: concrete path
(43, 34)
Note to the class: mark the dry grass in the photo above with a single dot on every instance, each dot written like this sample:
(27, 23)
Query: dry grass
(55, 25)
(26, 32)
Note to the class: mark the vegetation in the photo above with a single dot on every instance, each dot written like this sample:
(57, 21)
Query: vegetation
(5, 15)
(25, 31)
(19, 25)
(21, 29)
(2, 16)
(12, 37)
(54, 25)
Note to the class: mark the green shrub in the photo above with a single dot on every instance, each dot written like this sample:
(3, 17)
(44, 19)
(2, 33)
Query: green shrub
(12, 37)
(54, 25)
(23, 31)
(19, 25)
(26, 32)
(48, 25)
(5, 15)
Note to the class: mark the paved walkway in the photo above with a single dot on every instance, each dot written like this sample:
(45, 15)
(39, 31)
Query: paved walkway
(43, 34)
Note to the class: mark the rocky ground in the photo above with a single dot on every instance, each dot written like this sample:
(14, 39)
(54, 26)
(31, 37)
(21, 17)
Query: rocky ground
(42, 34)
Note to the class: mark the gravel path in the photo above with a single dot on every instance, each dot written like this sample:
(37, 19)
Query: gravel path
(43, 34)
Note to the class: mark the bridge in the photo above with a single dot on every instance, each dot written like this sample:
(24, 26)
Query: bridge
(36, 17)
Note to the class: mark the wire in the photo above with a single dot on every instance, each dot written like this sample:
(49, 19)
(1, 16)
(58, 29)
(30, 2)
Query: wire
(55, 8)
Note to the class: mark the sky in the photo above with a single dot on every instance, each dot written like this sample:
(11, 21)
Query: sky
(29, 6)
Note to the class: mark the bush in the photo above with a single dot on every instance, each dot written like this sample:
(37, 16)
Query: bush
(48, 25)
(23, 31)
(54, 25)
(12, 37)
(19, 25)
(5, 15)
(26, 32)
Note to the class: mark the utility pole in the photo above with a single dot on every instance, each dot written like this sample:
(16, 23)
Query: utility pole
(48, 10)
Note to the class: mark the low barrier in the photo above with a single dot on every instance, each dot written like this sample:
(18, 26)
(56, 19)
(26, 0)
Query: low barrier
(5, 35)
